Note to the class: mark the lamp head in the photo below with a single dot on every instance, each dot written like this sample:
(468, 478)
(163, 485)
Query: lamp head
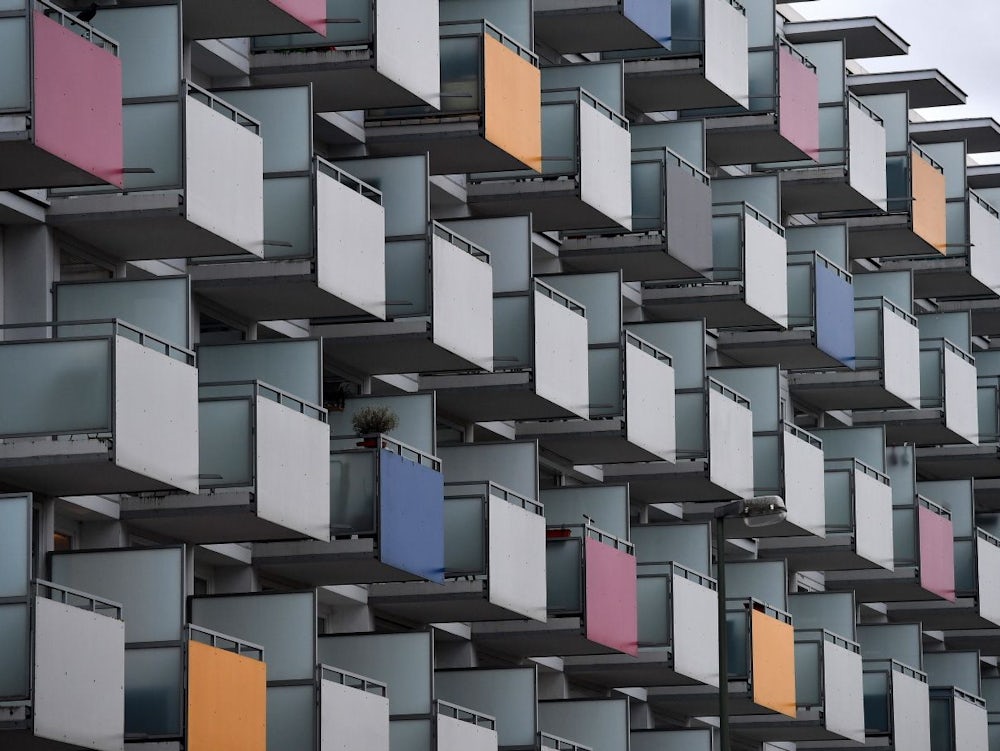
(761, 511)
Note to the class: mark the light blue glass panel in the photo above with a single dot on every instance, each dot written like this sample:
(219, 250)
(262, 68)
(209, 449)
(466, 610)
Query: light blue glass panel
(647, 193)
(958, 669)
(685, 341)
(403, 182)
(763, 580)
(965, 566)
(800, 293)
(762, 80)
(352, 493)
(897, 178)
(807, 673)
(291, 718)
(761, 192)
(767, 458)
(957, 327)
(988, 405)
(838, 490)
(508, 694)
(686, 544)
(688, 24)
(406, 278)
(727, 248)
(603, 80)
(605, 374)
(606, 505)
(159, 306)
(284, 624)
(511, 237)
(828, 57)
(560, 150)
(760, 22)
(284, 115)
(904, 536)
(957, 230)
(690, 416)
(563, 575)
(601, 295)
(760, 386)
(15, 547)
(149, 42)
(226, 443)
(152, 133)
(416, 413)
(876, 698)
(404, 661)
(12, 4)
(512, 328)
(829, 240)
(686, 138)
(832, 132)
(833, 611)
(153, 691)
(288, 217)
(738, 650)
(895, 286)
(957, 497)
(292, 365)
(942, 718)
(461, 84)
(512, 17)
(411, 735)
(148, 582)
(14, 78)
(931, 378)
(14, 663)
(55, 387)
(951, 157)
(898, 641)
(464, 535)
(654, 610)
(868, 338)
(892, 108)
(865, 443)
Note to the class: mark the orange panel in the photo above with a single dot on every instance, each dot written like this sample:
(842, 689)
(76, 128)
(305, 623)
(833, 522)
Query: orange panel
(227, 701)
(513, 103)
(928, 203)
(773, 644)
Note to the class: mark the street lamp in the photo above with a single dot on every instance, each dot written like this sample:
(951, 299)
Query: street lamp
(762, 511)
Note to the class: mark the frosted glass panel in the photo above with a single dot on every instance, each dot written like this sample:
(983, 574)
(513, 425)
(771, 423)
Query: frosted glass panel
(14, 655)
(149, 42)
(563, 575)
(284, 115)
(807, 673)
(416, 418)
(647, 193)
(904, 531)
(153, 691)
(800, 295)
(654, 610)
(159, 306)
(559, 137)
(727, 247)
(838, 491)
(686, 544)
(291, 365)
(226, 443)
(152, 135)
(406, 278)
(832, 136)
(602, 297)
(606, 505)
(288, 217)
(605, 374)
(737, 625)
(511, 237)
(508, 694)
(283, 624)
(14, 78)
(512, 333)
(352, 493)
(602, 80)
(148, 582)
(461, 85)
(762, 82)
(876, 697)
(55, 387)
(15, 541)
(513, 18)
(403, 182)
(291, 718)
(464, 533)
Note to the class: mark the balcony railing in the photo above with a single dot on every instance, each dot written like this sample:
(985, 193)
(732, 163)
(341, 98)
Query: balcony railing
(74, 597)
(480, 720)
(351, 680)
(70, 21)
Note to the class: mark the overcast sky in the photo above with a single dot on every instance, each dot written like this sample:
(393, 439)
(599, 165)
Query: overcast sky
(961, 38)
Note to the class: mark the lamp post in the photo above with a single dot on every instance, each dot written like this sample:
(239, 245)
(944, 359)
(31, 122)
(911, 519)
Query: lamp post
(762, 511)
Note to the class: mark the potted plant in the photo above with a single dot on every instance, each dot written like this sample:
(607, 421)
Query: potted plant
(368, 422)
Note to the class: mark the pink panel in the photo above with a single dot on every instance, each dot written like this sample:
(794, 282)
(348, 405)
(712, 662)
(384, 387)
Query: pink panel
(799, 94)
(611, 614)
(77, 100)
(937, 553)
(310, 12)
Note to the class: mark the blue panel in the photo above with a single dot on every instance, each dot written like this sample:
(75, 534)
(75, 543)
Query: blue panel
(411, 521)
(835, 315)
(652, 16)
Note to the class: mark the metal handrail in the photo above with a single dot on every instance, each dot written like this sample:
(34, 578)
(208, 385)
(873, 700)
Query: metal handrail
(984, 203)
(926, 157)
(727, 392)
(804, 435)
(673, 156)
(680, 570)
(852, 99)
(547, 740)
(888, 304)
(515, 499)
(935, 508)
(223, 107)
(272, 393)
(71, 22)
(352, 680)
(782, 42)
(141, 336)
(556, 296)
(462, 243)
(387, 442)
(982, 534)
(239, 646)
(581, 95)
(588, 529)
(345, 178)
(471, 716)
(650, 349)
(91, 603)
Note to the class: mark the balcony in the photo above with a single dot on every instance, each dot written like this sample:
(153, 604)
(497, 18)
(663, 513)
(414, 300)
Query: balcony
(678, 641)
(820, 330)
(849, 173)
(597, 723)
(972, 265)
(603, 25)
(540, 367)
(490, 111)
(196, 189)
(947, 413)
(63, 649)
(632, 406)
(438, 286)
(713, 424)
(97, 407)
(887, 363)
(706, 65)
(781, 121)
(788, 461)
(419, 718)
(585, 179)
(386, 512)
(749, 282)
(694, 739)
(591, 585)
(897, 705)
(978, 460)
(61, 98)
(957, 711)
(377, 54)
(310, 704)
(671, 235)
(232, 18)
(324, 229)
